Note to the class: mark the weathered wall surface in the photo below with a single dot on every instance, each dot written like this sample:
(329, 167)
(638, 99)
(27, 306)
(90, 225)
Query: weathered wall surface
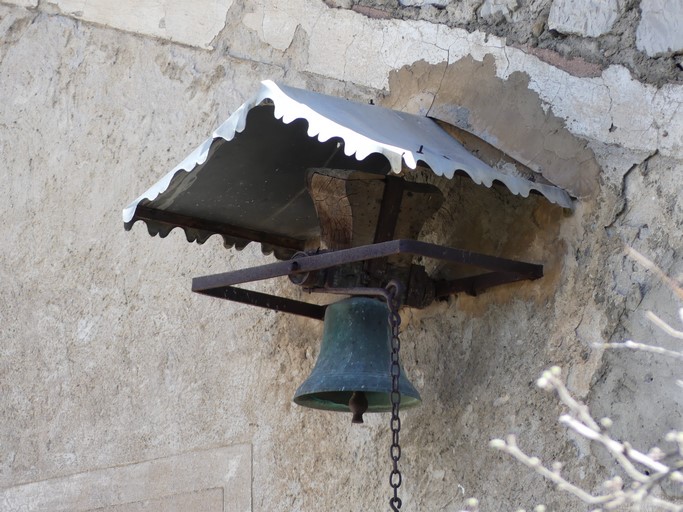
(110, 369)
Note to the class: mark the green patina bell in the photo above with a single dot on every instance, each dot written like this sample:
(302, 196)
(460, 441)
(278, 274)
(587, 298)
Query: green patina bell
(353, 371)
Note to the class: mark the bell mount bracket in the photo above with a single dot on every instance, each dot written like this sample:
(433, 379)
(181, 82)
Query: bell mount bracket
(498, 271)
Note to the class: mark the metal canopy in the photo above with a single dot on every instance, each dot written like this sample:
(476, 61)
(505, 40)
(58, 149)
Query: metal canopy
(248, 181)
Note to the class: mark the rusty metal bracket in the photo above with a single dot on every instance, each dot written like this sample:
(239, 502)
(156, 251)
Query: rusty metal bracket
(499, 271)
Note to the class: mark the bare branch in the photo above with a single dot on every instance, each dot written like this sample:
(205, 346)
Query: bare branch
(580, 421)
(650, 265)
(663, 325)
(617, 449)
(550, 381)
(656, 465)
(510, 447)
(644, 348)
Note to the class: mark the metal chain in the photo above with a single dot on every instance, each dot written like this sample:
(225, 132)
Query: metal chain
(394, 292)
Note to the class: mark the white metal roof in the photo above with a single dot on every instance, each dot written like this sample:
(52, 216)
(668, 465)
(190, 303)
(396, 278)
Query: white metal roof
(363, 130)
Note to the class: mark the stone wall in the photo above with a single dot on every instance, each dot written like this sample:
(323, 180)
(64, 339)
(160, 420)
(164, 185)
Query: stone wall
(115, 379)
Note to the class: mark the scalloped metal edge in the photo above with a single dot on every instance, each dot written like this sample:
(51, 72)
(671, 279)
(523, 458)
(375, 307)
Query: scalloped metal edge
(287, 109)
(200, 237)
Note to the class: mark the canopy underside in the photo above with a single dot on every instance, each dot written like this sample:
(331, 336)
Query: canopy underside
(248, 182)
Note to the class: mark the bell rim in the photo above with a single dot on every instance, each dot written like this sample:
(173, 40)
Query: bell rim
(375, 382)
(307, 400)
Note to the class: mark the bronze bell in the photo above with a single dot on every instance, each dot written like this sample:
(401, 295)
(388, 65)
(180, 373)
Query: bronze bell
(353, 370)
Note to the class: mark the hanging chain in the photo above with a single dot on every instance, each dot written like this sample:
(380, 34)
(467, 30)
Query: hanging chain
(394, 292)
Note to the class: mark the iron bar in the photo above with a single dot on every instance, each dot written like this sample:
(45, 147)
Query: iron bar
(326, 260)
(474, 285)
(389, 208)
(502, 271)
(265, 300)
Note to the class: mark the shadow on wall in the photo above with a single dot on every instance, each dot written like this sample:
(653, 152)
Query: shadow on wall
(507, 125)
(505, 113)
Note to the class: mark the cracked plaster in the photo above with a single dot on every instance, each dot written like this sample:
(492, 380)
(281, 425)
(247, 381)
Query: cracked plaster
(527, 25)
(195, 23)
(612, 108)
(346, 45)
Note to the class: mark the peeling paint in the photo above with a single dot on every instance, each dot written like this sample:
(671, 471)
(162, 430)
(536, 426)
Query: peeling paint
(347, 46)
(504, 113)
(195, 23)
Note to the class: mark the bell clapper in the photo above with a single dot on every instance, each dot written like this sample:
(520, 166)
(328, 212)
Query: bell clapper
(358, 403)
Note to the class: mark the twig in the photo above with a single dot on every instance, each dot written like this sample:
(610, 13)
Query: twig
(618, 450)
(650, 265)
(510, 446)
(663, 325)
(580, 421)
(550, 380)
(644, 348)
(586, 426)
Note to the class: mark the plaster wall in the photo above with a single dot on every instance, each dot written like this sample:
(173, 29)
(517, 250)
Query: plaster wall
(110, 368)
